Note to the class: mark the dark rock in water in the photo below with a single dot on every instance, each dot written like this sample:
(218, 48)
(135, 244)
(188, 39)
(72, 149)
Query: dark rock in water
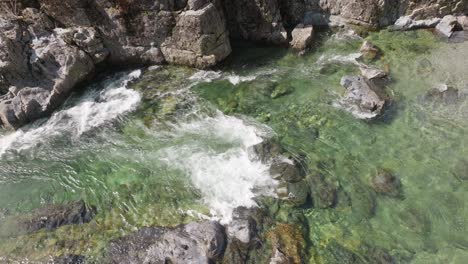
(192, 243)
(286, 169)
(444, 93)
(385, 182)
(295, 193)
(364, 99)
(56, 215)
(323, 193)
(265, 150)
(369, 51)
(69, 259)
(281, 90)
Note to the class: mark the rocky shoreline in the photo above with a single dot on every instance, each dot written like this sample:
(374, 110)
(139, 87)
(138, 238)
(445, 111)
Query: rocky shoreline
(50, 47)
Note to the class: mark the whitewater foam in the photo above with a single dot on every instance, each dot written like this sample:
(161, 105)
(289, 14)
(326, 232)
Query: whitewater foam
(209, 76)
(227, 178)
(94, 110)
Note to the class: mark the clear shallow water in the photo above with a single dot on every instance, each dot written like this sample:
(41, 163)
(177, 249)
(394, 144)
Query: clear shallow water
(174, 149)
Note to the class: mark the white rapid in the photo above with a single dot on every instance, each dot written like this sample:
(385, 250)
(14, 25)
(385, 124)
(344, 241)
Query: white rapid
(92, 111)
(225, 176)
(209, 76)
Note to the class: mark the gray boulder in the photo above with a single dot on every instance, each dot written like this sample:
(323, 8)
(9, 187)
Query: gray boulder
(408, 23)
(447, 25)
(199, 38)
(302, 37)
(362, 98)
(286, 169)
(385, 182)
(371, 72)
(192, 243)
(265, 151)
(444, 93)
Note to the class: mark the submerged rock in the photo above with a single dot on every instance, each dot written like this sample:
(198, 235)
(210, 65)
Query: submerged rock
(192, 243)
(56, 215)
(385, 182)
(281, 90)
(408, 23)
(371, 72)
(444, 93)
(369, 51)
(323, 193)
(364, 99)
(302, 37)
(460, 171)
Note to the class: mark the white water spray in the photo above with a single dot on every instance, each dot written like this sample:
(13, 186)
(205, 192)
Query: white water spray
(93, 111)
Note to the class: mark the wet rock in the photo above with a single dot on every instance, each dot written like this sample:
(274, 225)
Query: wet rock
(371, 72)
(444, 93)
(45, 77)
(369, 51)
(192, 243)
(56, 215)
(385, 182)
(408, 23)
(286, 169)
(364, 99)
(323, 193)
(294, 193)
(255, 20)
(199, 38)
(447, 25)
(288, 244)
(265, 150)
(302, 37)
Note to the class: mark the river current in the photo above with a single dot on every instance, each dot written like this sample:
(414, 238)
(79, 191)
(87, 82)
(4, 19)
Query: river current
(170, 145)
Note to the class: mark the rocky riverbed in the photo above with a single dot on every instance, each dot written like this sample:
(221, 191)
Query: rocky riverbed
(304, 136)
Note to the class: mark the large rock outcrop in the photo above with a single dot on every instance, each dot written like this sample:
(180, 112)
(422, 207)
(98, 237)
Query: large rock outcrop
(48, 47)
(45, 53)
